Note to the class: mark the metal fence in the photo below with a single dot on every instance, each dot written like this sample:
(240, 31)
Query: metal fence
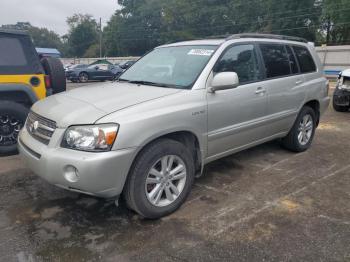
(113, 60)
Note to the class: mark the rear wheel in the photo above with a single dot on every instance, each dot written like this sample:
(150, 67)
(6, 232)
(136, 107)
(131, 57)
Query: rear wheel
(12, 119)
(302, 133)
(83, 77)
(55, 70)
(160, 180)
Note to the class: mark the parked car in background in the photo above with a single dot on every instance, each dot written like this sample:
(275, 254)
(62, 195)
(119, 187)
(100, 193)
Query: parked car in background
(117, 71)
(24, 79)
(126, 64)
(83, 74)
(148, 135)
(341, 96)
(71, 68)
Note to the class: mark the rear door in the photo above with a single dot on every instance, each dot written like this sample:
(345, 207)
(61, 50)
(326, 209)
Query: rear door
(236, 116)
(284, 85)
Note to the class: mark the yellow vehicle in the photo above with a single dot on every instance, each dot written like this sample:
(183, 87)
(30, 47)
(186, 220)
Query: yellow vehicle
(24, 79)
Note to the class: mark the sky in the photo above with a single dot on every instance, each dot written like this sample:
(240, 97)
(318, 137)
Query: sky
(52, 14)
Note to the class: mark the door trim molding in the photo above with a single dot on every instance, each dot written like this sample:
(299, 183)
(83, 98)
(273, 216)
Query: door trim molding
(237, 128)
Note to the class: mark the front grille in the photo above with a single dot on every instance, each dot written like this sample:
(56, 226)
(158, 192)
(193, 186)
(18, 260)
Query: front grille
(40, 127)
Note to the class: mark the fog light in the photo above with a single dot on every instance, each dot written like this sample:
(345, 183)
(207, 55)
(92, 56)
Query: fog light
(71, 174)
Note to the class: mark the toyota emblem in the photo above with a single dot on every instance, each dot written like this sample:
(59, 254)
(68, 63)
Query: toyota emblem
(34, 126)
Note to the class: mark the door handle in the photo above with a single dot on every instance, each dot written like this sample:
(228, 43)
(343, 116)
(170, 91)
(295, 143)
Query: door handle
(299, 82)
(260, 90)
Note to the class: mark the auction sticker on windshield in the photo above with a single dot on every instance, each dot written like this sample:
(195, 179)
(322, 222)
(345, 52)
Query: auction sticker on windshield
(203, 52)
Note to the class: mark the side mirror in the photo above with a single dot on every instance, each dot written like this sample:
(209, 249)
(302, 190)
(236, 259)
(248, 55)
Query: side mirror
(224, 81)
(96, 67)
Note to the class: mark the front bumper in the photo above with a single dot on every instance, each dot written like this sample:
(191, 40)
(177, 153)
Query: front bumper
(100, 174)
(341, 97)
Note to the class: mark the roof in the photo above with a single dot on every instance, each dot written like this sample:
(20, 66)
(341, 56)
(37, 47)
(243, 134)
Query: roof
(101, 61)
(13, 32)
(240, 37)
(346, 73)
(197, 42)
(53, 51)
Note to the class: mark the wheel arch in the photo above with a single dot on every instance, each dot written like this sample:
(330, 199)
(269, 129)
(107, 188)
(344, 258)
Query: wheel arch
(19, 93)
(188, 138)
(315, 105)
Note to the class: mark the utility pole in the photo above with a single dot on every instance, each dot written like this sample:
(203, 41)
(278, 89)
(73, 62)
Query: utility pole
(100, 37)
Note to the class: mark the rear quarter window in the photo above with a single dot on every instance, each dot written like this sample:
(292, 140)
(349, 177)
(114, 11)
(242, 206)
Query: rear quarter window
(306, 62)
(11, 52)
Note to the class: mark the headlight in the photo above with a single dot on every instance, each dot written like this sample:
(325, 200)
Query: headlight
(93, 138)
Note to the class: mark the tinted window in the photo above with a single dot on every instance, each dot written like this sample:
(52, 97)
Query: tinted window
(292, 60)
(241, 59)
(11, 52)
(276, 60)
(306, 62)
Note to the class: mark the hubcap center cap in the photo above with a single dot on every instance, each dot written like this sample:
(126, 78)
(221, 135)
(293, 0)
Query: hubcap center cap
(5, 129)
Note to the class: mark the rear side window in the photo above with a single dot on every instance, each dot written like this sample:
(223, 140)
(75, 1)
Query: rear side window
(276, 60)
(306, 62)
(292, 60)
(11, 52)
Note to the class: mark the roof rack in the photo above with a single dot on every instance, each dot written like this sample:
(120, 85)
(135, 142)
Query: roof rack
(267, 36)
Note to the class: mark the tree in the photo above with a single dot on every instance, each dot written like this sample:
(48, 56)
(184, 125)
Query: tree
(42, 37)
(335, 22)
(83, 33)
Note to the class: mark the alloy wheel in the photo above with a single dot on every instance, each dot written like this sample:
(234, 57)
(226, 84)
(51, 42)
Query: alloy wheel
(305, 129)
(165, 180)
(9, 129)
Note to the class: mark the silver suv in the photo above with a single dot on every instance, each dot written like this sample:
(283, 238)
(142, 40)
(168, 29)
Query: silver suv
(178, 108)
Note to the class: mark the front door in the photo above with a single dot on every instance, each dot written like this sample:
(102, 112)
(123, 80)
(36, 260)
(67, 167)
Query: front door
(236, 116)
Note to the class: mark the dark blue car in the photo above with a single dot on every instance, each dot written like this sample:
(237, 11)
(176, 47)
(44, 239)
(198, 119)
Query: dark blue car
(100, 72)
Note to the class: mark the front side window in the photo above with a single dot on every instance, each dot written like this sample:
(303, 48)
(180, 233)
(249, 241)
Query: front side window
(174, 66)
(276, 60)
(306, 62)
(242, 60)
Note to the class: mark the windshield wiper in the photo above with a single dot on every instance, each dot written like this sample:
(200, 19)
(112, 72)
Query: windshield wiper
(149, 83)
(122, 80)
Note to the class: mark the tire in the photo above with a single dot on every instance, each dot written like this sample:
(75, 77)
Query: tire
(291, 141)
(136, 192)
(14, 112)
(340, 108)
(83, 77)
(54, 69)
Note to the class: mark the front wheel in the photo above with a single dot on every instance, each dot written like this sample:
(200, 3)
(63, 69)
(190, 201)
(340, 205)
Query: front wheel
(160, 179)
(302, 133)
(83, 77)
(12, 119)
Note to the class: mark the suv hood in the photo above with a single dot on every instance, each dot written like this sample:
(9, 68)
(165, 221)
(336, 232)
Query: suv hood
(86, 105)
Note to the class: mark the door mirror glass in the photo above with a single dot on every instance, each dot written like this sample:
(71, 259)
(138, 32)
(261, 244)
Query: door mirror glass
(223, 81)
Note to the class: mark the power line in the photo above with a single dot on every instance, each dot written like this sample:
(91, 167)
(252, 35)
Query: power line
(240, 24)
(275, 30)
(142, 29)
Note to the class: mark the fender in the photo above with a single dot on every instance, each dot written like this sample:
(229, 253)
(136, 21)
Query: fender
(22, 88)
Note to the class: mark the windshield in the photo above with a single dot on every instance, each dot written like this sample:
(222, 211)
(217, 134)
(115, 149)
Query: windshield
(177, 66)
